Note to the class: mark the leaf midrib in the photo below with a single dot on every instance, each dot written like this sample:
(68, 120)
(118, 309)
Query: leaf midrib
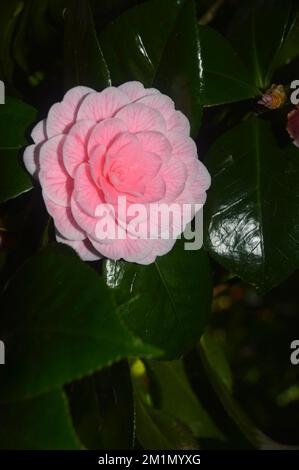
(168, 292)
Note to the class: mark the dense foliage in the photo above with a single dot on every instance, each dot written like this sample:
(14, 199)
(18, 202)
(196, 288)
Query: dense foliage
(192, 351)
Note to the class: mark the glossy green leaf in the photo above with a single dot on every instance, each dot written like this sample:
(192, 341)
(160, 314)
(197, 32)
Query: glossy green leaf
(41, 423)
(84, 63)
(175, 396)
(224, 78)
(252, 213)
(58, 324)
(156, 430)
(157, 45)
(15, 118)
(102, 408)
(258, 32)
(166, 303)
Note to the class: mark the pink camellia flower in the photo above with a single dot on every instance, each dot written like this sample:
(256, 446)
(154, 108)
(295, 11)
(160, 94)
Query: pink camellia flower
(293, 126)
(94, 147)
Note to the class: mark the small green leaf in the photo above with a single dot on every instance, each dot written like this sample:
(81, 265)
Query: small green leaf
(175, 396)
(252, 214)
(15, 118)
(58, 324)
(157, 45)
(84, 62)
(102, 408)
(167, 303)
(41, 423)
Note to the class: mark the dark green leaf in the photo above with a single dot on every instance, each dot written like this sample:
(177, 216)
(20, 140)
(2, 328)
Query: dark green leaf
(102, 408)
(157, 45)
(40, 423)
(289, 48)
(58, 324)
(218, 359)
(252, 213)
(176, 397)
(166, 303)
(15, 117)
(246, 427)
(224, 78)
(106, 11)
(156, 430)
(258, 33)
(84, 62)
(10, 13)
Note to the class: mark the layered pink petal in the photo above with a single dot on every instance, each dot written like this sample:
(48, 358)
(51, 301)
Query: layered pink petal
(153, 141)
(85, 221)
(293, 126)
(179, 123)
(125, 145)
(86, 193)
(55, 181)
(183, 147)
(38, 133)
(132, 176)
(75, 146)
(135, 90)
(64, 220)
(62, 115)
(96, 163)
(139, 117)
(174, 173)
(155, 190)
(129, 249)
(103, 105)
(83, 248)
(161, 247)
(128, 142)
(161, 103)
(123, 165)
(105, 132)
(198, 182)
(31, 157)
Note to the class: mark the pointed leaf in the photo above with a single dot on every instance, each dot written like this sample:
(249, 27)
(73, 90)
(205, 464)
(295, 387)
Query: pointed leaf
(175, 396)
(157, 45)
(156, 430)
(41, 423)
(84, 61)
(166, 303)
(258, 32)
(58, 324)
(224, 78)
(102, 408)
(252, 212)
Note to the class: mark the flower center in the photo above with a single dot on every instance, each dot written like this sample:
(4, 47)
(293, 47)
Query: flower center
(118, 173)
